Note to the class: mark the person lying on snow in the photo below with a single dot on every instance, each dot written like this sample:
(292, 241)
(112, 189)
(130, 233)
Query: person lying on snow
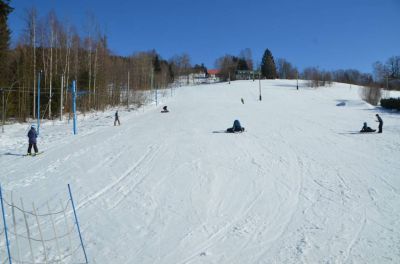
(235, 128)
(366, 129)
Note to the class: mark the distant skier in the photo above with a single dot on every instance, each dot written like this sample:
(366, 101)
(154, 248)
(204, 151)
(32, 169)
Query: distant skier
(380, 123)
(241, 99)
(366, 128)
(165, 110)
(235, 128)
(32, 135)
(116, 119)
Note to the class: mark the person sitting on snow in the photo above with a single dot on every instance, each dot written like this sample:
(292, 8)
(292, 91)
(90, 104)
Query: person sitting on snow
(165, 110)
(366, 129)
(235, 128)
(32, 135)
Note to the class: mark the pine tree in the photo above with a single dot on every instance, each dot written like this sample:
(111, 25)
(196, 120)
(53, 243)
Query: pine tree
(242, 65)
(156, 64)
(5, 10)
(268, 68)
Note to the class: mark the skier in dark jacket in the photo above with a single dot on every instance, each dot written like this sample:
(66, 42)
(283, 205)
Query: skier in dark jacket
(366, 128)
(116, 119)
(32, 135)
(380, 123)
(236, 127)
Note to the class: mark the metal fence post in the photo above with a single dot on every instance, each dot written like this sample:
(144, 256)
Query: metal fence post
(77, 223)
(5, 227)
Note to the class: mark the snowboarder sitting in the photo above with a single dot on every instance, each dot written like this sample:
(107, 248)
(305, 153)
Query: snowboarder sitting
(116, 119)
(165, 110)
(235, 128)
(366, 129)
(32, 135)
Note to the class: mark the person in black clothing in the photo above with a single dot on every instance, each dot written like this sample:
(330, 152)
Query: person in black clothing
(165, 110)
(366, 128)
(237, 127)
(32, 135)
(116, 119)
(380, 123)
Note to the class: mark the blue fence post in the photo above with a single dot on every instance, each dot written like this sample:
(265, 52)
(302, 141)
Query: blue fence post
(74, 103)
(77, 223)
(5, 227)
(38, 104)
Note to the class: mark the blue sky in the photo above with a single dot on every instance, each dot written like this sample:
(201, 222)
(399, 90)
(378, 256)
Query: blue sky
(330, 34)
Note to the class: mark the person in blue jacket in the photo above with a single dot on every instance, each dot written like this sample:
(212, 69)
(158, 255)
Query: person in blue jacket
(235, 128)
(32, 135)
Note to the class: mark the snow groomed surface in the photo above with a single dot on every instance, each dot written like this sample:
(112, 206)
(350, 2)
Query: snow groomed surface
(299, 186)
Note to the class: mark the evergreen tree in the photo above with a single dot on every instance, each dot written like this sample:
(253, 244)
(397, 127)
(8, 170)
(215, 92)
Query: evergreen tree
(268, 68)
(242, 65)
(156, 64)
(200, 68)
(5, 10)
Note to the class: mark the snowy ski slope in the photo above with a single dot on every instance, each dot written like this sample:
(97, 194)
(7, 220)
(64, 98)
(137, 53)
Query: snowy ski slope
(299, 186)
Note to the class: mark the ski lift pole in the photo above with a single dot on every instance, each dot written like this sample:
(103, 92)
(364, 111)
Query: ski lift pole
(76, 221)
(38, 103)
(61, 96)
(156, 97)
(259, 86)
(3, 112)
(5, 227)
(74, 103)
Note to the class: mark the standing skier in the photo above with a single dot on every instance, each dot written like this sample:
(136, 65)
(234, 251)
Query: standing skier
(380, 123)
(32, 135)
(116, 119)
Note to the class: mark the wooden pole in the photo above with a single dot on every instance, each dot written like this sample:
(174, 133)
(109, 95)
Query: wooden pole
(40, 233)
(54, 230)
(67, 226)
(28, 232)
(15, 226)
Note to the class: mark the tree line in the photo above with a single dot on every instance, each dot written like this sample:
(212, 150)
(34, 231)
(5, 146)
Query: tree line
(384, 74)
(53, 53)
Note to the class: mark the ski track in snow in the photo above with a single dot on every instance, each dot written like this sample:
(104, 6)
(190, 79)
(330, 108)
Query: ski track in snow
(296, 187)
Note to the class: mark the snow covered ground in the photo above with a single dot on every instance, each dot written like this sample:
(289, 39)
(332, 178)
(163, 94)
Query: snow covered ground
(299, 186)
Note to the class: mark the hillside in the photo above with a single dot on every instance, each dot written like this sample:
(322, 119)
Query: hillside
(299, 186)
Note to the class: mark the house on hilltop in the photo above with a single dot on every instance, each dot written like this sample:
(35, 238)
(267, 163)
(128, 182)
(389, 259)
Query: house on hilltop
(213, 76)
